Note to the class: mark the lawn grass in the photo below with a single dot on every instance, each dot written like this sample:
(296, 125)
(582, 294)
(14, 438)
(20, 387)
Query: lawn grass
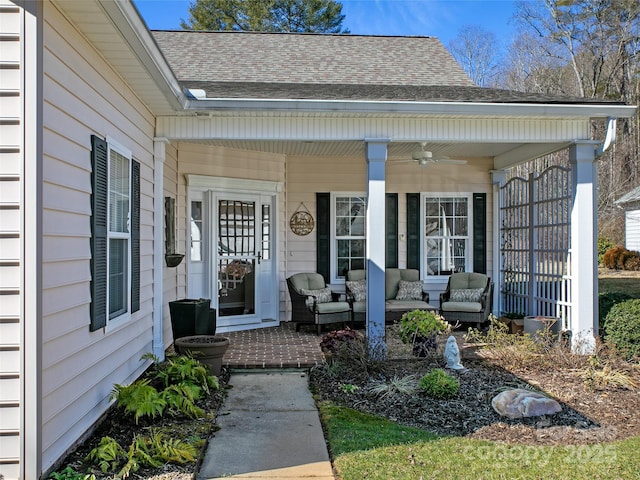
(628, 285)
(368, 447)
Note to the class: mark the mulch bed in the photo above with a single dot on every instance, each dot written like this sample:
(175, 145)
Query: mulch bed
(588, 415)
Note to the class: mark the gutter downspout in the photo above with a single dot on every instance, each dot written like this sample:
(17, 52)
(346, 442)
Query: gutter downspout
(610, 137)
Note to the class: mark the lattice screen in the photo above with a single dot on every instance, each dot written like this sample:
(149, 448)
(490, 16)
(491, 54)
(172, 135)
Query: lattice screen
(535, 222)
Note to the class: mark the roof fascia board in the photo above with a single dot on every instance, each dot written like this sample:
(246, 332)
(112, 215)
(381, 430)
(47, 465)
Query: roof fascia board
(434, 108)
(133, 29)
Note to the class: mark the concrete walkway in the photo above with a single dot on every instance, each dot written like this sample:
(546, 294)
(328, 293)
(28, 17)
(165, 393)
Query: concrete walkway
(269, 429)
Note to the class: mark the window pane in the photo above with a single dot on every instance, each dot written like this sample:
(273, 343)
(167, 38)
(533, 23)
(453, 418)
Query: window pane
(446, 234)
(350, 230)
(118, 192)
(196, 231)
(118, 277)
(266, 232)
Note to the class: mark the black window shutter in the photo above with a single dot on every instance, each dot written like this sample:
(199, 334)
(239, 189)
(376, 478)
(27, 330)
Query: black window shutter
(480, 232)
(135, 236)
(323, 235)
(98, 242)
(413, 230)
(392, 230)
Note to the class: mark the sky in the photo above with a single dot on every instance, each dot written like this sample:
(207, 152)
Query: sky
(436, 18)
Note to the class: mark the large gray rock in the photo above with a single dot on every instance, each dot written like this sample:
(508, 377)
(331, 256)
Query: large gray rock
(519, 403)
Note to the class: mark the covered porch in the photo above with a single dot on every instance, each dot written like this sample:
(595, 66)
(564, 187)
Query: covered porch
(293, 152)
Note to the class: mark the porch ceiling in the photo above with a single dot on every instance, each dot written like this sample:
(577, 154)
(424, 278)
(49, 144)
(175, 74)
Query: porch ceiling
(396, 150)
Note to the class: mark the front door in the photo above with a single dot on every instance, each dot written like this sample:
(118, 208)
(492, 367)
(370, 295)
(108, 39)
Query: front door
(237, 236)
(238, 272)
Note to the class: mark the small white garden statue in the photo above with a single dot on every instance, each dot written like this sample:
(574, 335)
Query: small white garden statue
(452, 354)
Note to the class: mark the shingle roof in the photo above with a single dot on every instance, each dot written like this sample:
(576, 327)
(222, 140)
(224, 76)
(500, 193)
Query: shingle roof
(256, 65)
(309, 58)
(401, 93)
(629, 197)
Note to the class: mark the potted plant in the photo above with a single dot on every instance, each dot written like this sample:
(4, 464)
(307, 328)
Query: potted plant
(421, 329)
(208, 349)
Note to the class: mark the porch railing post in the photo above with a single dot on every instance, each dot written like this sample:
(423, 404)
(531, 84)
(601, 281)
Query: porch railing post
(498, 179)
(533, 305)
(584, 263)
(376, 156)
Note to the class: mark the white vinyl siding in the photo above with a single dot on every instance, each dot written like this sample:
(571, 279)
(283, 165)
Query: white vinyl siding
(632, 229)
(83, 96)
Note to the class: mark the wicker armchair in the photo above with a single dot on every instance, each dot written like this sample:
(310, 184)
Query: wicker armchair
(312, 302)
(467, 299)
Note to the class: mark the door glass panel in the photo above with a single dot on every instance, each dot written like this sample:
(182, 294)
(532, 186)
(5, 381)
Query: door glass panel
(236, 257)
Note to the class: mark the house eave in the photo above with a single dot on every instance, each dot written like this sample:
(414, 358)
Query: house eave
(487, 110)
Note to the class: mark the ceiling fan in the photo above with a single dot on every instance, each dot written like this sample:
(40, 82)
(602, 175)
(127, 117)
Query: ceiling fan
(424, 157)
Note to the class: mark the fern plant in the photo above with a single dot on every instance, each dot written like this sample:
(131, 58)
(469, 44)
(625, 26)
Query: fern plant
(140, 399)
(152, 450)
(182, 397)
(183, 369)
(107, 455)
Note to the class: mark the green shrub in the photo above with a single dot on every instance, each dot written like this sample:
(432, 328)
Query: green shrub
(606, 301)
(623, 327)
(604, 244)
(439, 384)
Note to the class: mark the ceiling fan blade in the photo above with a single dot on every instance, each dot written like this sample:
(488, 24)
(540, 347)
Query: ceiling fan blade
(450, 161)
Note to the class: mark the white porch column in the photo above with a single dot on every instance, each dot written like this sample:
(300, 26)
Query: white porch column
(584, 264)
(159, 153)
(376, 155)
(498, 179)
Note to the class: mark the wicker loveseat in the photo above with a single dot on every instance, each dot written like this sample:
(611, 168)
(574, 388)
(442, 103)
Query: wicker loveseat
(312, 302)
(397, 300)
(467, 299)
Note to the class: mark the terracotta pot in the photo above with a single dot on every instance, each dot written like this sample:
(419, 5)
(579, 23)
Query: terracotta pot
(209, 349)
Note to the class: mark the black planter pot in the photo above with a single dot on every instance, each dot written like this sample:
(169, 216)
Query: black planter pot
(192, 317)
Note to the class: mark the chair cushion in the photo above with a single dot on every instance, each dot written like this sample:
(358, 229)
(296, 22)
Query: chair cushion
(309, 281)
(409, 290)
(396, 305)
(468, 280)
(332, 307)
(323, 295)
(358, 288)
(466, 294)
(471, 307)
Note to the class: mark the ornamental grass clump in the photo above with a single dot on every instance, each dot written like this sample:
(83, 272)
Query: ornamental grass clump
(439, 384)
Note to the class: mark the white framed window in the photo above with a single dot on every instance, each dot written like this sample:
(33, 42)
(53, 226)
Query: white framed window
(446, 233)
(348, 229)
(118, 231)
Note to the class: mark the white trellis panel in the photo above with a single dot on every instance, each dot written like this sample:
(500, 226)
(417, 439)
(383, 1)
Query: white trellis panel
(535, 244)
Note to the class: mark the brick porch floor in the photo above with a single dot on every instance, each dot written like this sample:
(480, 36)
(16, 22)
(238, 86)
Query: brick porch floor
(274, 347)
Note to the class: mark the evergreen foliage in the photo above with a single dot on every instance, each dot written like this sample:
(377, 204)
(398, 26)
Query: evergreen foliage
(300, 16)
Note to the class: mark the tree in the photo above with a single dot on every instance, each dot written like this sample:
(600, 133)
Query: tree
(474, 49)
(312, 16)
(590, 49)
